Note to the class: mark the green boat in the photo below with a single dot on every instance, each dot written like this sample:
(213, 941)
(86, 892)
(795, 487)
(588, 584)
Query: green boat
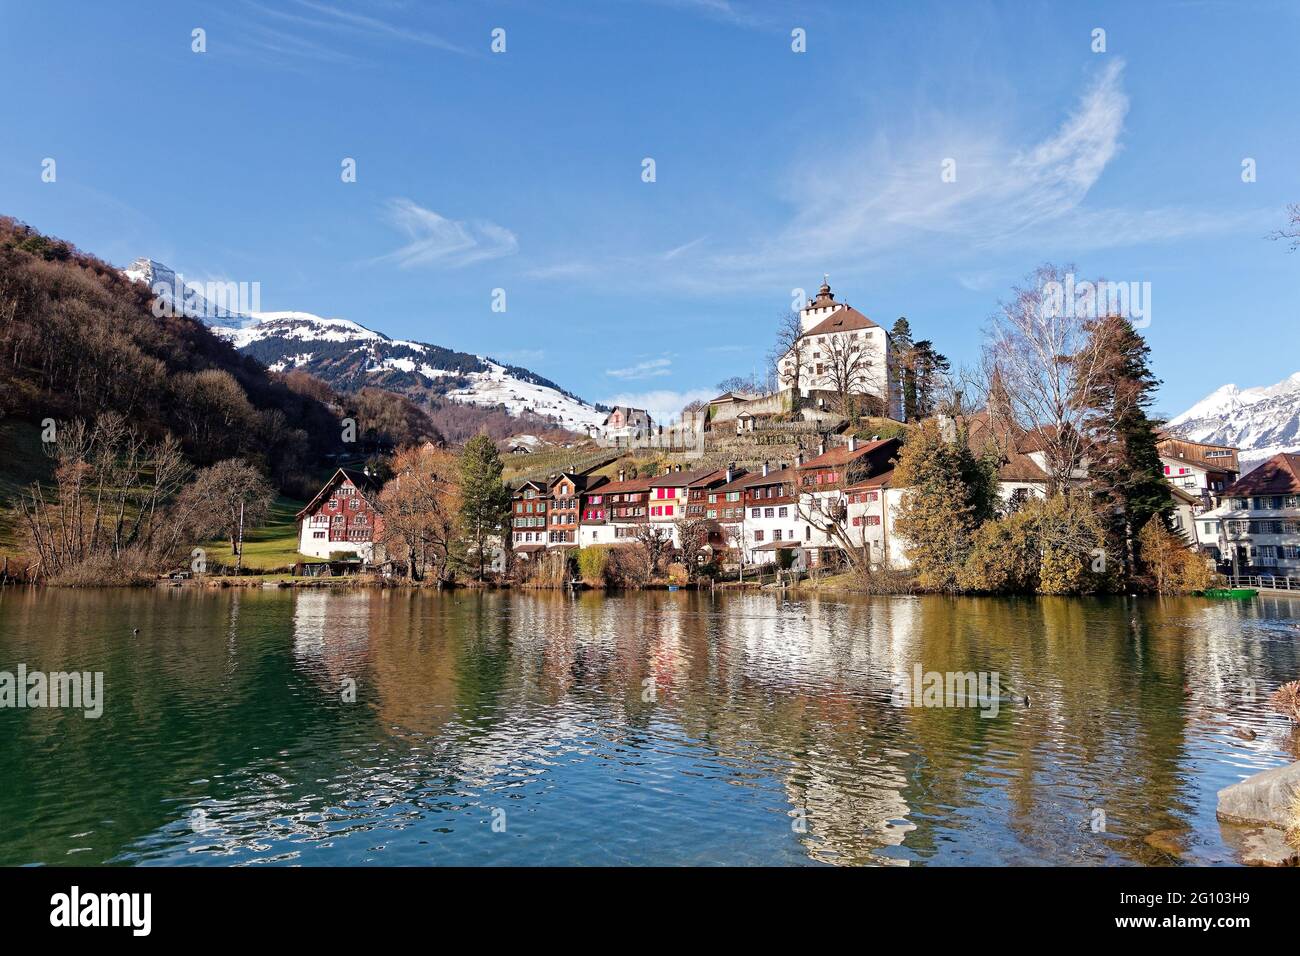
(1235, 593)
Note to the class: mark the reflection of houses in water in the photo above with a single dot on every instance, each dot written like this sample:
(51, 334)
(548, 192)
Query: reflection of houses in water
(331, 631)
(809, 683)
(1225, 648)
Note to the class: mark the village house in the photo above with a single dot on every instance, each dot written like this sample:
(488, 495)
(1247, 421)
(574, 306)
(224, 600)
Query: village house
(1256, 528)
(836, 334)
(528, 513)
(759, 514)
(872, 508)
(1200, 469)
(626, 422)
(626, 508)
(343, 518)
(594, 526)
(562, 527)
(822, 482)
(670, 493)
(1022, 460)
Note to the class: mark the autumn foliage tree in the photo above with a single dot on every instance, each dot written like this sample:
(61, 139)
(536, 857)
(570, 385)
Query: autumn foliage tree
(1169, 566)
(421, 505)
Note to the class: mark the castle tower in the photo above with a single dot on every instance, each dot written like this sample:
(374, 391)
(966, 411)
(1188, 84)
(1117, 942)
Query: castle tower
(819, 307)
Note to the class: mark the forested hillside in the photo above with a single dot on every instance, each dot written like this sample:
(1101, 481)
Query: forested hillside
(78, 339)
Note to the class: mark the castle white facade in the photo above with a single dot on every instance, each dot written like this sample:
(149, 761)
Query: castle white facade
(840, 349)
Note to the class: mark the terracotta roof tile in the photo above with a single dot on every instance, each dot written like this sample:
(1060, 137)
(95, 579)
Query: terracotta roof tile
(844, 319)
(1280, 475)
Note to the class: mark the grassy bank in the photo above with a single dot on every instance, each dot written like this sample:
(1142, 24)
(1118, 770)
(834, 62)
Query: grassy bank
(22, 461)
(271, 547)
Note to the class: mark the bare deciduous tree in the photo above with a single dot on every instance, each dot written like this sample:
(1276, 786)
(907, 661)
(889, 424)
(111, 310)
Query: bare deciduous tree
(656, 539)
(110, 501)
(787, 357)
(1045, 362)
(420, 508)
(227, 498)
(693, 535)
(825, 508)
(854, 377)
(1290, 233)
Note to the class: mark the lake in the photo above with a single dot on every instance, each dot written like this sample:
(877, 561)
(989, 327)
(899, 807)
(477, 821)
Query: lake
(408, 728)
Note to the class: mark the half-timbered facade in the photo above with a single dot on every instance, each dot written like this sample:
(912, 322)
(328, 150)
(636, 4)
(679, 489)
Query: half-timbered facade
(343, 518)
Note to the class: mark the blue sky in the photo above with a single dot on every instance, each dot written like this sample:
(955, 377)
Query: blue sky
(522, 170)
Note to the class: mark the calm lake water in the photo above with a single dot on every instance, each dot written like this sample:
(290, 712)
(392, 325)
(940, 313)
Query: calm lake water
(647, 728)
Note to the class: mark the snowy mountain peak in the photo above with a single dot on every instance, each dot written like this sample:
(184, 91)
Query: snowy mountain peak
(349, 356)
(1261, 421)
(167, 285)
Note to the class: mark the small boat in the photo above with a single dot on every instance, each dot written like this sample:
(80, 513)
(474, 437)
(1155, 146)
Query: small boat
(1229, 593)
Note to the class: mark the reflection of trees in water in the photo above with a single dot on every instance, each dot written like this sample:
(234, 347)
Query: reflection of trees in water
(464, 690)
(801, 690)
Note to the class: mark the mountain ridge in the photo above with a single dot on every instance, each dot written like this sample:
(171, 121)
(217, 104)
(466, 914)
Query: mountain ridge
(348, 355)
(1261, 420)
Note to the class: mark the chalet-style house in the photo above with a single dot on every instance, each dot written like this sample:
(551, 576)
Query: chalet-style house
(626, 422)
(626, 508)
(823, 489)
(1256, 529)
(344, 517)
(1204, 471)
(565, 492)
(759, 513)
(834, 334)
(528, 513)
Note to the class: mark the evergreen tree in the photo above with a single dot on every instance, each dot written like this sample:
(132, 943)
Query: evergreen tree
(949, 492)
(485, 500)
(928, 369)
(901, 337)
(1125, 468)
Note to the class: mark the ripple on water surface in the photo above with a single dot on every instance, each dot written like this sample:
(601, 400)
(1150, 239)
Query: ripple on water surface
(249, 728)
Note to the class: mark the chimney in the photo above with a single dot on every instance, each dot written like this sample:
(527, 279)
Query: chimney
(730, 468)
(853, 443)
(798, 459)
(622, 474)
(677, 468)
(764, 469)
(821, 448)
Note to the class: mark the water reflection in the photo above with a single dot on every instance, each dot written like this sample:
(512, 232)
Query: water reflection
(646, 728)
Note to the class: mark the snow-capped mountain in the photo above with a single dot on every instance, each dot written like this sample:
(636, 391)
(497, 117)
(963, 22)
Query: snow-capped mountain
(1260, 421)
(350, 356)
(166, 284)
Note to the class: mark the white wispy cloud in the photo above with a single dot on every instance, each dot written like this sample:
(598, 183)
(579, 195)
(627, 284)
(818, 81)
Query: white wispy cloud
(882, 197)
(560, 270)
(439, 242)
(725, 11)
(328, 17)
(652, 368)
(886, 194)
(684, 247)
(664, 405)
